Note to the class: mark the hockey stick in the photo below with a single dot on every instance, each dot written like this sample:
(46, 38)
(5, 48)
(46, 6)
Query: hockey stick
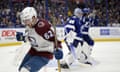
(71, 37)
(58, 61)
(72, 50)
(20, 53)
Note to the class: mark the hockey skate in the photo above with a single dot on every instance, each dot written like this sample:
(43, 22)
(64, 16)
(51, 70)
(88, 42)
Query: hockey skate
(89, 61)
(64, 66)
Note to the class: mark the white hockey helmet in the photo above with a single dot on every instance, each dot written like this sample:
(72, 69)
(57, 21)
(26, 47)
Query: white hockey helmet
(27, 14)
(78, 12)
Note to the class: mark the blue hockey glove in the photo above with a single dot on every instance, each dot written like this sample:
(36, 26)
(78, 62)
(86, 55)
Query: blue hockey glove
(19, 36)
(58, 54)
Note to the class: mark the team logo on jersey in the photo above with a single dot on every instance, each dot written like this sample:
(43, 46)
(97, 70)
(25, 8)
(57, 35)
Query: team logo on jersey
(33, 41)
(41, 24)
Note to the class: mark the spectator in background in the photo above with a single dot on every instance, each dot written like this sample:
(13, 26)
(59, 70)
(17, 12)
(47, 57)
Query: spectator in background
(60, 20)
(58, 7)
(69, 13)
(18, 24)
(3, 23)
(94, 18)
(98, 1)
(10, 24)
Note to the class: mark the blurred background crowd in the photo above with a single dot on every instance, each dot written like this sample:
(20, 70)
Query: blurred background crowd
(107, 12)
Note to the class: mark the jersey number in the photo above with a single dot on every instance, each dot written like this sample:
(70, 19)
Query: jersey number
(48, 34)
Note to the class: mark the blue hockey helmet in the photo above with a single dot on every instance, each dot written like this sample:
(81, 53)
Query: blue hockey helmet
(86, 10)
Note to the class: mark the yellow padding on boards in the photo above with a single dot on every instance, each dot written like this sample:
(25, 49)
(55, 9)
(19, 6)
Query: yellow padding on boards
(103, 39)
(106, 39)
(10, 44)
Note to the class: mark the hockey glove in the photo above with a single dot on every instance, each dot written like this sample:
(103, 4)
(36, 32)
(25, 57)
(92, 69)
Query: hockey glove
(58, 54)
(20, 37)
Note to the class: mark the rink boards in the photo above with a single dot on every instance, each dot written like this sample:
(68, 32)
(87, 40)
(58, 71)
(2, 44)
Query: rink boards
(7, 35)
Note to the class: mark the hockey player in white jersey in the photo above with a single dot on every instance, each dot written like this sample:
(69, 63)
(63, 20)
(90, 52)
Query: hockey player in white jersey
(42, 39)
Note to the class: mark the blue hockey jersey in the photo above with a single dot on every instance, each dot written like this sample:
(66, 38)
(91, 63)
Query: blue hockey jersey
(74, 24)
(87, 22)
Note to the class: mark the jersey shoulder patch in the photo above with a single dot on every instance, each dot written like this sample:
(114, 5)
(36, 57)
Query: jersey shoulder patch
(42, 26)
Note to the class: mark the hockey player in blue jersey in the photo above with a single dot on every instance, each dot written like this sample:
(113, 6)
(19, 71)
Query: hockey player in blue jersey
(87, 22)
(77, 39)
(88, 42)
(74, 40)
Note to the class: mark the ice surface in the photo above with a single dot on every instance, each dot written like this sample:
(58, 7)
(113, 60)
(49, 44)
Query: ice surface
(106, 53)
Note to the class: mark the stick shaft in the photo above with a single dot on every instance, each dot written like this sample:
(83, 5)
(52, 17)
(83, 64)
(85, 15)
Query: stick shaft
(58, 61)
